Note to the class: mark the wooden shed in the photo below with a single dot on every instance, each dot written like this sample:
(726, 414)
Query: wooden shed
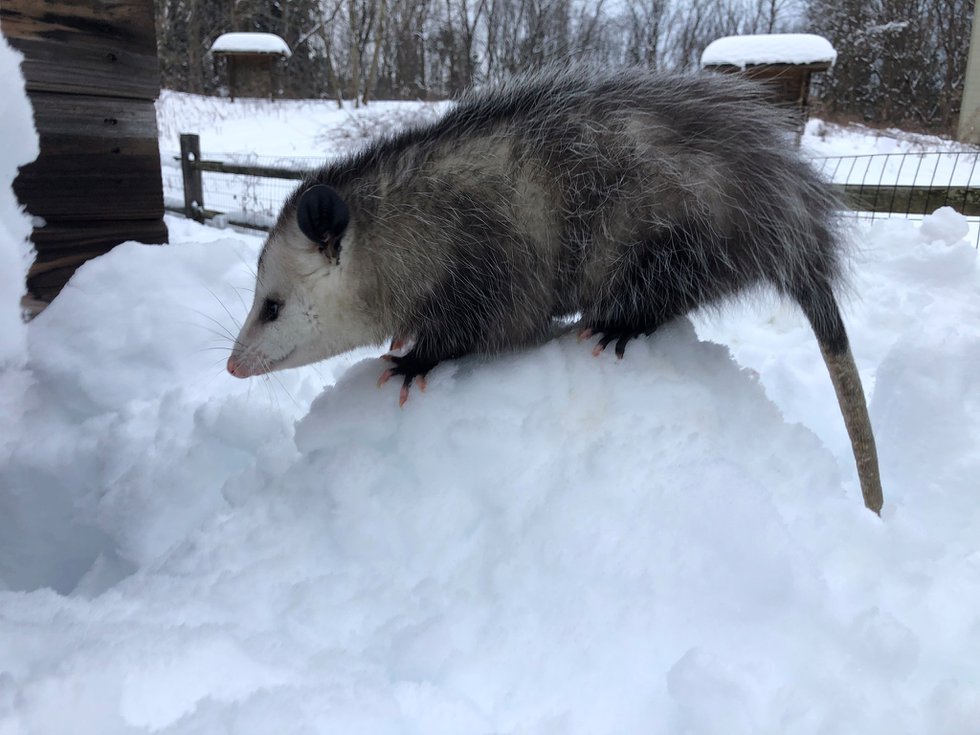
(785, 62)
(92, 76)
(252, 62)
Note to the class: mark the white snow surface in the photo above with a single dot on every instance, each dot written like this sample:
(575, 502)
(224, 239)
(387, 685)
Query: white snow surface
(289, 128)
(16, 254)
(544, 542)
(253, 43)
(769, 48)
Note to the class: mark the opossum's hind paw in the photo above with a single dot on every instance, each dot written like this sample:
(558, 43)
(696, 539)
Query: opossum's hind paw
(412, 369)
(608, 336)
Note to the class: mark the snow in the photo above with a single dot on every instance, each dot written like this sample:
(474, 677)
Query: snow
(945, 225)
(544, 542)
(773, 48)
(289, 128)
(252, 43)
(16, 254)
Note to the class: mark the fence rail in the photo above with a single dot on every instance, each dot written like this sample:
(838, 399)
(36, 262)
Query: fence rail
(247, 191)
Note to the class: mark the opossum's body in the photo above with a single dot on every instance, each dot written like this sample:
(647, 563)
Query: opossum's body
(627, 197)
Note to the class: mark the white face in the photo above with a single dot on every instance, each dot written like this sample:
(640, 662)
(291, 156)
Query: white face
(306, 308)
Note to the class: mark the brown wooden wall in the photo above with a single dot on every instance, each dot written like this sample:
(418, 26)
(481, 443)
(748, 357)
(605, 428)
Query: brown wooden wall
(92, 76)
(789, 84)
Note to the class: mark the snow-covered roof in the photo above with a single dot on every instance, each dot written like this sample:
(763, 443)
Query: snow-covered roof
(773, 48)
(250, 43)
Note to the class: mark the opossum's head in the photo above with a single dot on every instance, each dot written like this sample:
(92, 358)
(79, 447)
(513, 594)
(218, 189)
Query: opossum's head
(307, 305)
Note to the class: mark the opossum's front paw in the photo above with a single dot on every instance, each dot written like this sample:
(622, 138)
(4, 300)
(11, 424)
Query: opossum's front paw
(398, 345)
(412, 368)
(608, 335)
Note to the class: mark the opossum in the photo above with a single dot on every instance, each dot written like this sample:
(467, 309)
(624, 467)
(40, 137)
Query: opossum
(624, 196)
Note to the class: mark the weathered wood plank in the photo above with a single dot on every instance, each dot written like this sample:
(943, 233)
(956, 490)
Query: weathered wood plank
(99, 159)
(95, 117)
(105, 47)
(60, 238)
(63, 246)
(98, 71)
(911, 199)
(45, 286)
(92, 187)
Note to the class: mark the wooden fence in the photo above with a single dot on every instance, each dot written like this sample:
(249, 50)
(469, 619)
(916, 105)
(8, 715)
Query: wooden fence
(870, 184)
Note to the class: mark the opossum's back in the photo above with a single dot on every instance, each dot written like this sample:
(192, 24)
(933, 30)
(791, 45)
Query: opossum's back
(696, 111)
(632, 153)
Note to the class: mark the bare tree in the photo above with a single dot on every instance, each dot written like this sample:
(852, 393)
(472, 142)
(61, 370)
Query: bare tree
(900, 61)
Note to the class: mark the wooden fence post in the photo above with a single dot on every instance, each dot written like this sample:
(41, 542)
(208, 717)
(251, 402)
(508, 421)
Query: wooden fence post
(190, 154)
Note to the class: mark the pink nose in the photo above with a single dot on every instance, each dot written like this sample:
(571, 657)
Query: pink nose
(234, 369)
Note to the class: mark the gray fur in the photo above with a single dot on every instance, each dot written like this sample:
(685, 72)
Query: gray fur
(625, 196)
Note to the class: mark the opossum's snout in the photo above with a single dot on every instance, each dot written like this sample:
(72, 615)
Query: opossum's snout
(235, 369)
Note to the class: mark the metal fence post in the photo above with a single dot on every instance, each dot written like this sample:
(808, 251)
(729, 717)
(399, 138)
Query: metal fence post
(190, 154)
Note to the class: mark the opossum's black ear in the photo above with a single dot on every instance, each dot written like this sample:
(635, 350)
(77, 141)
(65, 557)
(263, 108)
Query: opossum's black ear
(322, 215)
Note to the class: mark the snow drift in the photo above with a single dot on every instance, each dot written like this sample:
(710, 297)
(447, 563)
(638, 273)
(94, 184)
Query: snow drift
(544, 542)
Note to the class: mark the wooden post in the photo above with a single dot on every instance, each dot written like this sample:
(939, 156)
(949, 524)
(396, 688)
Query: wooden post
(190, 154)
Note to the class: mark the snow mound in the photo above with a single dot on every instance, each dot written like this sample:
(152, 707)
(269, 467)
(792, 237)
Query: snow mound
(545, 542)
(945, 225)
(564, 521)
(16, 254)
(772, 48)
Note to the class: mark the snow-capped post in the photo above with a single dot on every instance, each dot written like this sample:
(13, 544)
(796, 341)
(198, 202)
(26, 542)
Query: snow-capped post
(784, 62)
(252, 62)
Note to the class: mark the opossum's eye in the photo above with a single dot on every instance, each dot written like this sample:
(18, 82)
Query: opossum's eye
(270, 311)
(322, 215)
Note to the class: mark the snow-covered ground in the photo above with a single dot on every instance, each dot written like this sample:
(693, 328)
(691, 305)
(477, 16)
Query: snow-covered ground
(546, 542)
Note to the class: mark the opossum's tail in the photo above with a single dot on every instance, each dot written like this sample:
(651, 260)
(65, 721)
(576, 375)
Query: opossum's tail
(822, 311)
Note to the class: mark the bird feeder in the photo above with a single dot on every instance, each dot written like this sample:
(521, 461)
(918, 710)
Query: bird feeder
(783, 62)
(252, 62)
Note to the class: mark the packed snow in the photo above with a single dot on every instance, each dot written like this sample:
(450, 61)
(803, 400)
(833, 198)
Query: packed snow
(543, 542)
(769, 48)
(250, 43)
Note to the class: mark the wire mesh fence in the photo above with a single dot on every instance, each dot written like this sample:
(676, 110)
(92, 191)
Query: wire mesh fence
(249, 189)
(248, 196)
(908, 185)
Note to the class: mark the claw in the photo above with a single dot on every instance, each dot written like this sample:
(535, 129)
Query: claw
(409, 367)
(584, 333)
(618, 334)
(621, 346)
